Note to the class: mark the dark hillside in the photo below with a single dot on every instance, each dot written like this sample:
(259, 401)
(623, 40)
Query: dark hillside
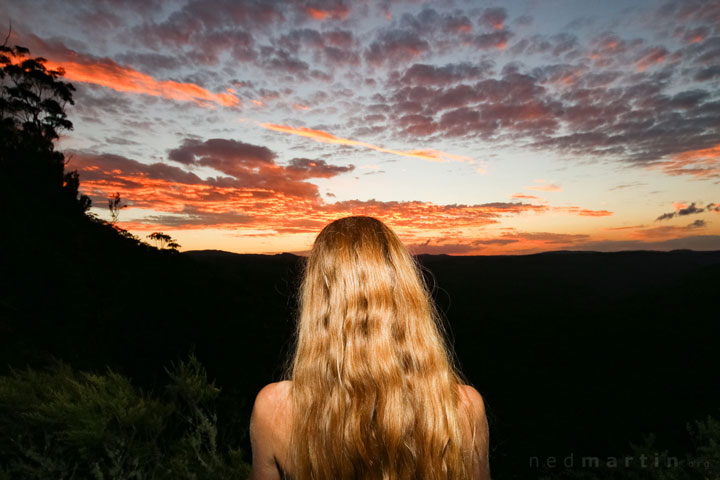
(576, 351)
(580, 352)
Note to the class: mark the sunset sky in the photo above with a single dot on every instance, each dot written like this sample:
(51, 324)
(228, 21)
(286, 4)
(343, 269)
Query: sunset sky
(470, 127)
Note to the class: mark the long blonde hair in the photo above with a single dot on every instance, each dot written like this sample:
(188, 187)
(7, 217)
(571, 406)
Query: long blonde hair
(374, 387)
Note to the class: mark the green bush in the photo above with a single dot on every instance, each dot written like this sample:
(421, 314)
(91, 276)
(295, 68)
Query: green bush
(645, 461)
(64, 424)
(705, 461)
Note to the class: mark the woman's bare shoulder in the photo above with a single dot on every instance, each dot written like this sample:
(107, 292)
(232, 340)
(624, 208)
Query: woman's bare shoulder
(272, 402)
(472, 398)
(270, 425)
(479, 432)
(274, 394)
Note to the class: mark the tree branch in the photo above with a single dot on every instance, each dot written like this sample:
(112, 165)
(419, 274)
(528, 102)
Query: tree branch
(7, 37)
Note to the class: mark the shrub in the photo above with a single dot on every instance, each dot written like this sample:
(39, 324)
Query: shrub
(62, 424)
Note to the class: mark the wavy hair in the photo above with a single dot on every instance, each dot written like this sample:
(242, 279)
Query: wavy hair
(374, 386)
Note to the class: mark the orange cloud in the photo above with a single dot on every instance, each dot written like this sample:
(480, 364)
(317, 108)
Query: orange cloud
(545, 188)
(655, 233)
(700, 163)
(182, 200)
(594, 213)
(631, 227)
(322, 14)
(419, 215)
(124, 79)
(326, 137)
(522, 196)
(651, 57)
(583, 212)
(192, 207)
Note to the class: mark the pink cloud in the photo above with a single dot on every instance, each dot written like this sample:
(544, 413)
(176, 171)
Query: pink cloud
(551, 187)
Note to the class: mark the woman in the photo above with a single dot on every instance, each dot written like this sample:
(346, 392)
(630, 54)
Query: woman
(373, 392)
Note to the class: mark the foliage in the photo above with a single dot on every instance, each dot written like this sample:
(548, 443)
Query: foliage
(647, 461)
(164, 241)
(115, 204)
(65, 424)
(705, 460)
(33, 98)
(32, 115)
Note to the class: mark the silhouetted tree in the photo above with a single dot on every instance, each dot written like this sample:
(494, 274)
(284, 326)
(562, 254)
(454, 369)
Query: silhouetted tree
(33, 100)
(32, 115)
(115, 205)
(164, 240)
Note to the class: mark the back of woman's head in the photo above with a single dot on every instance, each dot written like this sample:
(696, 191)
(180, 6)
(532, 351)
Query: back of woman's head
(375, 393)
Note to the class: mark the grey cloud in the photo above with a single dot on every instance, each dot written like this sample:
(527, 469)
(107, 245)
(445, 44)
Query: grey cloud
(689, 210)
(306, 168)
(396, 46)
(493, 17)
(196, 152)
(423, 74)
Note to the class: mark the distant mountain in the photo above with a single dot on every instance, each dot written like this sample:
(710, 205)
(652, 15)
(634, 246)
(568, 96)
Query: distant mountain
(221, 256)
(704, 254)
(224, 254)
